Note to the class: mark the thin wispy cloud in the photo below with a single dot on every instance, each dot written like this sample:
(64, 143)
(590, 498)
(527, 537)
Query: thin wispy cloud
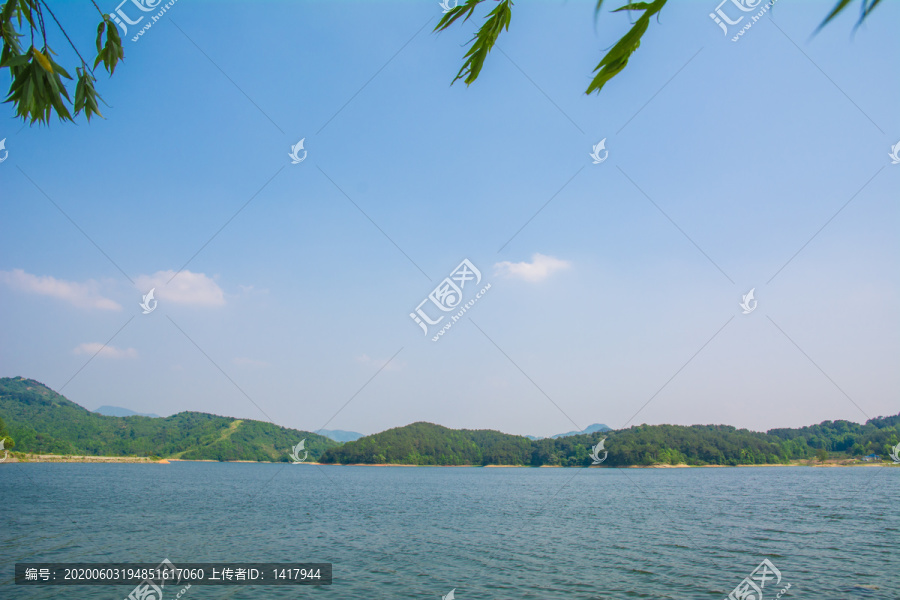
(193, 289)
(82, 295)
(539, 269)
(92, 348)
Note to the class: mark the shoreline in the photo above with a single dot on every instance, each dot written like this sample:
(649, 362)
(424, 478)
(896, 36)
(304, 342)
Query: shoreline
(60, 458)
(69, 458)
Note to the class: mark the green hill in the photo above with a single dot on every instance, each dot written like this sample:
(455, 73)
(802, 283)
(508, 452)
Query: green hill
(41, 421)
(429, 444)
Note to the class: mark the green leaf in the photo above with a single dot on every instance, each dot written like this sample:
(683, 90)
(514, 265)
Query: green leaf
(865, 10)
(495, 22)
(111, 52)
(633, 6)
(8, 10)
(100, 29)
(841, 5)
(86, 96)
(15, 61)
(617, 58)
(457, 12)
(57, 68)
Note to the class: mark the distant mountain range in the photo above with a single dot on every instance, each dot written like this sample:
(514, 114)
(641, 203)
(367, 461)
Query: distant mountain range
(589, 429)
(118, 411)
(339, 435)
(40, 420)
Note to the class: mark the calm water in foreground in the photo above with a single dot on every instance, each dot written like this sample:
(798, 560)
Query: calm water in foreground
(394, 532)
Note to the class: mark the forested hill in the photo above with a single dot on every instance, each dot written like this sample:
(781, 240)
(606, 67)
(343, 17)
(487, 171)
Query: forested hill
(41, 421)
(429, 444)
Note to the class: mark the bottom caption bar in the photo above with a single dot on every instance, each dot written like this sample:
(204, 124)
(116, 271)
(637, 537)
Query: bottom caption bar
(168, 574)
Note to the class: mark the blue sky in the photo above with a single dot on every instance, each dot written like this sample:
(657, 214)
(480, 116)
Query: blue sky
(617, 302)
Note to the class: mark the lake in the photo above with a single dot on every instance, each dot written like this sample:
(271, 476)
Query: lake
(400, 532)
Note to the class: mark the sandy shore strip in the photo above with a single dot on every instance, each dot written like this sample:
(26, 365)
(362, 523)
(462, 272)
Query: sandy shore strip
(67, 458)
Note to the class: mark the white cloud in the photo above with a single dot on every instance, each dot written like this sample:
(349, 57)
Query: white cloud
(187, 288)
(82, 295)
(538, 269)
(106, 351)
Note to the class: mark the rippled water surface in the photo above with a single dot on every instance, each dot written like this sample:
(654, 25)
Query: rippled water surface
(396, 532)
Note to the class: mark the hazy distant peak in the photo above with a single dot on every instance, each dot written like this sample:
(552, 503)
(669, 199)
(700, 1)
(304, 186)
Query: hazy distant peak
(339, 435)
(588, 429)
(118, 411)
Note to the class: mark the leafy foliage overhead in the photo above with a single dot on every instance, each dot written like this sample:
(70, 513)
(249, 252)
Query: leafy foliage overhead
(37, 89)
(616, 58)
(495, 22)
(865, 9)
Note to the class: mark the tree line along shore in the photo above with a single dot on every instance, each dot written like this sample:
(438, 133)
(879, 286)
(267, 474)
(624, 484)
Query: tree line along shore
(39, 425)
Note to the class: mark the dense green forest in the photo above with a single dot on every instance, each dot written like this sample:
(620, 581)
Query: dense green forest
(36, 419)
(428, 444)
(41, 421)
(8, 442)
